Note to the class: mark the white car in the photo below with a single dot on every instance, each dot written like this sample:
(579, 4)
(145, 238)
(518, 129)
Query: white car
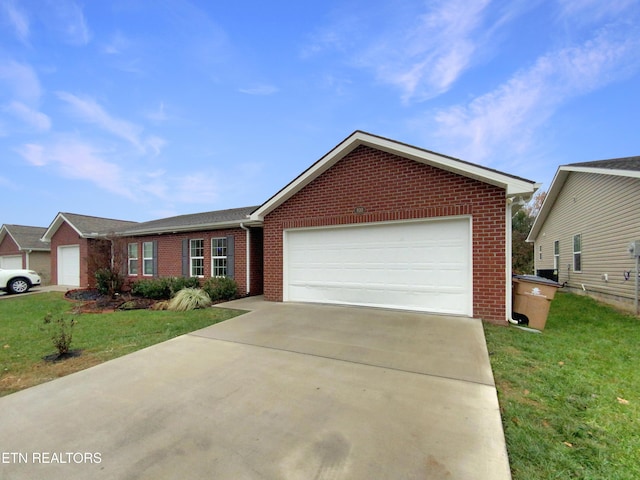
(18, 281)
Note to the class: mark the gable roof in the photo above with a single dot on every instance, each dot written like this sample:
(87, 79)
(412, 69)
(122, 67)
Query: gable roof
(513, 185)
(86, 226)
(621, 167)
(25, 237)
(232, 217)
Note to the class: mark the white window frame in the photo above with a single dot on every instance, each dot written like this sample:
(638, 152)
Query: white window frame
(196, 261)
(147, 261)
(577, 253)
(219, 257)
(131, 259)
(556, 255)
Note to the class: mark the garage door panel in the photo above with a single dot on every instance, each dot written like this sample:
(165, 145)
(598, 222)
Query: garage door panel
(418, 266)
(11, 262)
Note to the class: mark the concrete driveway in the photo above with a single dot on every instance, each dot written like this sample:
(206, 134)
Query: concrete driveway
(288, 391)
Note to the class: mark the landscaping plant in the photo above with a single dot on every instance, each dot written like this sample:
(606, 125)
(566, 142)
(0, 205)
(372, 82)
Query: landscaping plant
(61, 331)
(189, 299)
(221, 288)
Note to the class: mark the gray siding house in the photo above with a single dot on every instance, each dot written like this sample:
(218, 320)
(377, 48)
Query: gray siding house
(582, 234)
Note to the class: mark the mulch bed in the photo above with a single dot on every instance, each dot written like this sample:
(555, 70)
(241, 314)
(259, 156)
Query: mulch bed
(92, 301)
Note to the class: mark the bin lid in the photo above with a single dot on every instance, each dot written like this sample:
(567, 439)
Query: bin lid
(536, 279)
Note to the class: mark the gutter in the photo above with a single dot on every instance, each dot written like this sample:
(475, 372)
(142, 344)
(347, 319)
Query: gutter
(248, 256)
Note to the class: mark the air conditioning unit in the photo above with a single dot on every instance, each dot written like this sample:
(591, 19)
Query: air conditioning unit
(634, 249)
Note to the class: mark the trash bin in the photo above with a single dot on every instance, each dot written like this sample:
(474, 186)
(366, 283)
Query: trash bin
(532, 298)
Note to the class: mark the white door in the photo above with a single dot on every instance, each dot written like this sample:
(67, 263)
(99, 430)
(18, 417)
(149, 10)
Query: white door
(69, 265)
(424, 266)
(11, 262)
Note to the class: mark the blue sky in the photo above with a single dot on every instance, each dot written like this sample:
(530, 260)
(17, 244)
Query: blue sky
(138, 110)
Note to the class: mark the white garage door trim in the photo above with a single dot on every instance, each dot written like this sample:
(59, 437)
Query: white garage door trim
(11, 262)
(422, 265)
(69, 265)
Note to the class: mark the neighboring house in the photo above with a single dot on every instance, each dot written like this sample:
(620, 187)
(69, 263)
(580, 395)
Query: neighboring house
(380, 223)
(204, 245)
(582, 234)
(79, 245)
(21, 247)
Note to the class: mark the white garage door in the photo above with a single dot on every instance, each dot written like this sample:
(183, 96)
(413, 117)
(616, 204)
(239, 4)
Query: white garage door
(423, 266)
(11, 262)
(69, 265)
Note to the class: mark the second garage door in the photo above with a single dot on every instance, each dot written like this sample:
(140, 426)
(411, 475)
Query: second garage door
(423, 265)
(69, 265)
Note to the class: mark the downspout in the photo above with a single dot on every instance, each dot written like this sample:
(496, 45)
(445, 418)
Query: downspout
(248, 255)
(28, 258)
(509, 252)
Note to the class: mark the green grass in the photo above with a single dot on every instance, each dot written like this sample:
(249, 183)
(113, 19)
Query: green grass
(570, 397)
(24, 340)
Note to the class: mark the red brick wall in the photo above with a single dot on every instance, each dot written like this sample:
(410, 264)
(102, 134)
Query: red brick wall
(66, 235)
(9, 247)
(170, 255)
(390, 188)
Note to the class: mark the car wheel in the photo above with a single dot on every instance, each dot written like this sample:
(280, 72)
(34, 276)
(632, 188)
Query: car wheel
(18, 285)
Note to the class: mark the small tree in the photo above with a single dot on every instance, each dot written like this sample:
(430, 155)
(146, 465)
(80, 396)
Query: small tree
(522, 254)
(61, 331)
(106, 261)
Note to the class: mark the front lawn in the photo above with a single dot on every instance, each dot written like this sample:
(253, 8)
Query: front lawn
(570, 397)
(25, 342)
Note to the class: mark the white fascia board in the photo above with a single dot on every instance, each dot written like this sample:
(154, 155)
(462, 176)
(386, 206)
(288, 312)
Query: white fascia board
(55, 225)
(552, 194)
(602, 171)
(186, 228)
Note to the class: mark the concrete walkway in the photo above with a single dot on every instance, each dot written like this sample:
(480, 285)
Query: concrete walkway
(288, 391)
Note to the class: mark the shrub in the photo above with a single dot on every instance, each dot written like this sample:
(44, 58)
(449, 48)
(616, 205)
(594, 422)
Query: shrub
(109, 281)
(221, 288)
(189, 299)
(163, 288)
(61, 331)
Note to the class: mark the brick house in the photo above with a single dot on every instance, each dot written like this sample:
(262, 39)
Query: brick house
(209, 244)
(21, 247)
(380, 223)
(374, 222)
(79, 245)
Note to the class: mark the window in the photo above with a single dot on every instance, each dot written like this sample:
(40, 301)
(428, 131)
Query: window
(196, 257)
(147, 258)
(219, 257)
(577, 253)
(539, 252)
(132, 256)
(556, 254)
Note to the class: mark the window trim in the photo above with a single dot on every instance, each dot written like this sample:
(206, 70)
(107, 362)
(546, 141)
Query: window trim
(193, 257)
(146, 259)
(577, 253)
(132, 259)
(556, 254)
(214, 249)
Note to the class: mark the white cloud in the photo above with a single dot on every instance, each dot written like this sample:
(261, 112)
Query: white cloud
(117, 45)
(18, 19)
(21, 80)
(259, 90)
(31, 117)
(593, 10)
(90, 111)
(507, 118)
(78, 160)
(67, 18)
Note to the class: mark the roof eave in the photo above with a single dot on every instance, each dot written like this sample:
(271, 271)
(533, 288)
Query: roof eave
(188, 228)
